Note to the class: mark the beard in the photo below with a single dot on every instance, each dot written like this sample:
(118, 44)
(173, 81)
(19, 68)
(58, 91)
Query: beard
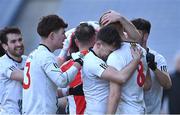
(17, 51)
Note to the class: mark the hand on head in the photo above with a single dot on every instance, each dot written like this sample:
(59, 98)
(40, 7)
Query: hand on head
(109, 17)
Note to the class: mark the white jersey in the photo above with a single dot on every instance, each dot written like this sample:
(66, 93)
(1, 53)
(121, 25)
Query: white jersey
(132, 99)
(73, 104)
(42, 76)
(11, 90)
(95, 89)
(153, 97)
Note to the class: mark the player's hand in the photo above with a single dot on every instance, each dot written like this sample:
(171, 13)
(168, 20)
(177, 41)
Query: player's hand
(150, 58)
(66, 44)
(77, 90)
(110, 17)
(136, 53)
(79, 56)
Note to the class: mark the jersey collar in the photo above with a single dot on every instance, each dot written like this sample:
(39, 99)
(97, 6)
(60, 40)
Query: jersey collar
(90, 49)
(45, 47)
(13, 59)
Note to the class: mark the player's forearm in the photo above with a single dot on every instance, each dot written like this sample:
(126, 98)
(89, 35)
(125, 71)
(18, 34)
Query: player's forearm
(113, 99)
(62, 79)
(112, 105)
(127, 72)
(130, 29)
(148, 81)
(17, 75)
(60, 61)
(163, 78)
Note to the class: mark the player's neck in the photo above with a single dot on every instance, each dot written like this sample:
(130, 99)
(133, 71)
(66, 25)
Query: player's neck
(83, 47)
(96, 51)
(47, 45)
(144, 46)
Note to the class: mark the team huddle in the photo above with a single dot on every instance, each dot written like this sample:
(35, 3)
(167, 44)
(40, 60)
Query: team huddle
(104, 67)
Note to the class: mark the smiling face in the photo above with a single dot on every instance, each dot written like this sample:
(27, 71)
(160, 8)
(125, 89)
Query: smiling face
(14, 46)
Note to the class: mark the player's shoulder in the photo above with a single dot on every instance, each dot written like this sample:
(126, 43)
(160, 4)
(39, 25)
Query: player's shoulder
(41, 55)
(92, 59)
(123, 50)
(5, 62)
(43, 52)
(4, 59)
(158, 56)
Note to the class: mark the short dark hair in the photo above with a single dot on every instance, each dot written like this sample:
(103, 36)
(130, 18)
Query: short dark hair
(110, 36)
(2, 51)
(7, 30)
(142, 24)
(84, 32)
(49, 24)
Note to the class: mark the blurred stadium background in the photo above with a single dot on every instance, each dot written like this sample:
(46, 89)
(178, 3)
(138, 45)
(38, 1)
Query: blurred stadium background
(164, 16)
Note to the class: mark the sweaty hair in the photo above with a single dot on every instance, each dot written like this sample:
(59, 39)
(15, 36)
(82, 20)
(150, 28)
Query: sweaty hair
(142, 24)
(7, 30)
(84, 32)
(49, 24)
(110, 36)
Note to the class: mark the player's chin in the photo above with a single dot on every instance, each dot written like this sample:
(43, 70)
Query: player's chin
(20, 52)
(60, 46)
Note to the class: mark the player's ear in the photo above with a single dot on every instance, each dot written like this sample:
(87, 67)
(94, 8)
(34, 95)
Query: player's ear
(5, 46)
(98, 44)
(51, 35)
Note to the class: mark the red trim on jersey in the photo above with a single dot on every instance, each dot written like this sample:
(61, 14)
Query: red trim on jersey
(80, 104)
(79, 100)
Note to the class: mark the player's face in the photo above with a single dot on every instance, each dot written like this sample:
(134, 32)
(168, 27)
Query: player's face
(106, 50)
(14, 45)
(59, 37)
(141, 41)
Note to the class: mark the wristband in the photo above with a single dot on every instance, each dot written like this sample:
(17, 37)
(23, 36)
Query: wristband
(79, 60)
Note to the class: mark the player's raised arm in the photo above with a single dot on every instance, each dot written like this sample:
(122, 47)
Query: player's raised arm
(113, 17)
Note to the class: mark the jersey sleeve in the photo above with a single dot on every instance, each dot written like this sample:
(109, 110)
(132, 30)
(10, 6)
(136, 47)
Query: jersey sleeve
(7, 70)
(97, 67)
(161, 63)
(61, 79)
